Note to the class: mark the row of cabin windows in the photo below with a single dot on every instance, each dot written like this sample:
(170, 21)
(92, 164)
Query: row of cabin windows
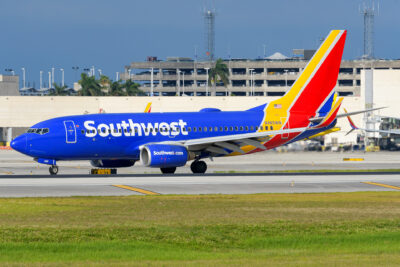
(190, 129)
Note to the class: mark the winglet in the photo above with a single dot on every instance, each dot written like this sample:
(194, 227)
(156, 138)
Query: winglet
(352, 124)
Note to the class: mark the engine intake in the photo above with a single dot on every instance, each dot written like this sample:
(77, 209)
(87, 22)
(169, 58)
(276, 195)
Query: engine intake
(112, 163)
(163, 156)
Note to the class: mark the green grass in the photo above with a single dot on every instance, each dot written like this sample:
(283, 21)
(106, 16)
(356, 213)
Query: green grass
(334, 229)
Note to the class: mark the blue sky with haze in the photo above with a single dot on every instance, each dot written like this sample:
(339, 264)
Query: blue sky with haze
(39, 34)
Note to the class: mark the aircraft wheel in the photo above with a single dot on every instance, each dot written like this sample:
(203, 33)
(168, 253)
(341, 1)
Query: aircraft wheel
(53, 170)
(168, 170)
(198, 166)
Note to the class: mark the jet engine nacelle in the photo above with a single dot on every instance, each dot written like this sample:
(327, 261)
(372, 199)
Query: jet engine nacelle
(163, 156)
(112, 163)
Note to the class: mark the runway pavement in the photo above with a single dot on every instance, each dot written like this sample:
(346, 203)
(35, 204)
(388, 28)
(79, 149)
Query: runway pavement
(200, 184)
(21, 177)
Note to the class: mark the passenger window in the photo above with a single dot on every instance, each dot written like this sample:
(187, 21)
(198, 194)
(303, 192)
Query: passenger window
(236, 128)
(251, 128)
(205, 129)
(272, 128)
(247, 128)
(226, 128)
(241, 128)
(194, 129)
(189, 129)
(221, 129)
(103, 130)
(231, 128)
(211, 129)
(83, 131)
(256, 128)
(200, 129)
(261, 128)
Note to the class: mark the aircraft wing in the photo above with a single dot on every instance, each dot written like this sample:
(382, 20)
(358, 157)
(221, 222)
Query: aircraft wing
(232, 142)
(354, 127)
(357, 112)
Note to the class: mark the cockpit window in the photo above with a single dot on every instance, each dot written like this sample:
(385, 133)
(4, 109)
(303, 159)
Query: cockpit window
(40, 131)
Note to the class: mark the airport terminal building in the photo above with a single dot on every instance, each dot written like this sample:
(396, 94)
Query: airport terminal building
(272, 76)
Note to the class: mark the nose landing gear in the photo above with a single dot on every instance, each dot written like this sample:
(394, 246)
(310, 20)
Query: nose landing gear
(53, 169)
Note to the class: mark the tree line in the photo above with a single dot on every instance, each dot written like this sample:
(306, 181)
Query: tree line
(90, 86)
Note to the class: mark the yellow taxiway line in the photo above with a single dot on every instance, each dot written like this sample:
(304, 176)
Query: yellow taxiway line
(353, 159)
(139, 190)
(383, 185)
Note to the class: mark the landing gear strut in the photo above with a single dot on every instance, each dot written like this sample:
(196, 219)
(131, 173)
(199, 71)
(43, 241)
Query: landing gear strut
(168, 170)
(198, 166)
(53, 170)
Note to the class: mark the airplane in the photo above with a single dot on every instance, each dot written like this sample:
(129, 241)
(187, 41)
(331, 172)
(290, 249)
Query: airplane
(170, 140)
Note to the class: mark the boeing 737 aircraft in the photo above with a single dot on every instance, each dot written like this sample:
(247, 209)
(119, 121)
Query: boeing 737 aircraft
(170, 140)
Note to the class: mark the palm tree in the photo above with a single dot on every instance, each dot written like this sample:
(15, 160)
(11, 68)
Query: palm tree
(90, 86)
(132, 88)
(59, 90)
(219, 72)
(116, 89)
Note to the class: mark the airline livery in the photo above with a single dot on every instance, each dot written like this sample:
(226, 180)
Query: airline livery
(170, 140)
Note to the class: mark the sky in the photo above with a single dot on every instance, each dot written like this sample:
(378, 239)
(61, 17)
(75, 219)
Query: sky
(40, 34)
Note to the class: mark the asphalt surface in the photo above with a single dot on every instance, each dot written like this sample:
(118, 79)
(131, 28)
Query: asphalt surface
(21, 177)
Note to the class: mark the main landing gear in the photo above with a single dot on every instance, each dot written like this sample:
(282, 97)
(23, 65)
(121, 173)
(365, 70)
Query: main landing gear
(198, 166)
(53, 169)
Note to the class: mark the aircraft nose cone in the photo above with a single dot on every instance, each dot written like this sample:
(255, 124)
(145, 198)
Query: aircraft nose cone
(19, 143)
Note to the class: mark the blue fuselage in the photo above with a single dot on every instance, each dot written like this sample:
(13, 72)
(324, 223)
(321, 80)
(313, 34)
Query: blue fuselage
(119, 136)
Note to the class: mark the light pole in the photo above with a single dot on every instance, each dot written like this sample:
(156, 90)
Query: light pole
(183, 83)
(151, 82)
(129, 73)
(52, 76)
(62, 77)
(251, 81)
(23, 77)
(117, 76)
(286, 78)
(179, 83)
(49, 79)
(41, 79)
(100, 72)
(75, 68)
(206, 80)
